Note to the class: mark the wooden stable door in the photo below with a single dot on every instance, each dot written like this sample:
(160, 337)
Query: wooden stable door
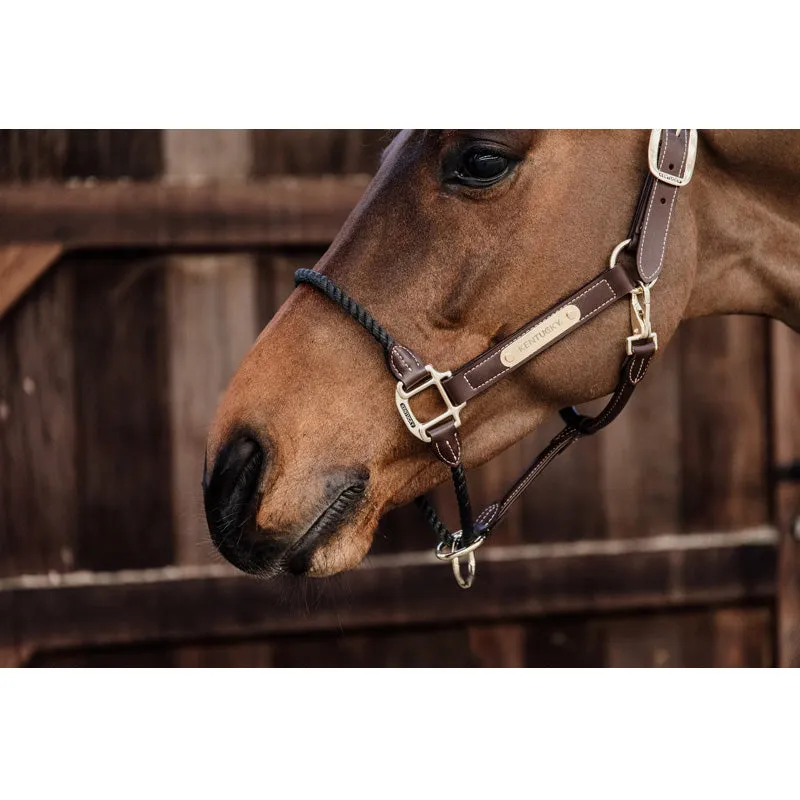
(786, 455)
(663, 541)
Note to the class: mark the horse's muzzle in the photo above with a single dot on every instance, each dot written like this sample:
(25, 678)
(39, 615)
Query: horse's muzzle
(231, 500)
(234, 493)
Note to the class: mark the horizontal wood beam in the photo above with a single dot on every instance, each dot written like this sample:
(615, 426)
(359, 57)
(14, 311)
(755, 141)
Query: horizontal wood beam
(182, 603)
(208, 215)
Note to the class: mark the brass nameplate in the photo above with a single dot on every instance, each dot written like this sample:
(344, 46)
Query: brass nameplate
(537, 337)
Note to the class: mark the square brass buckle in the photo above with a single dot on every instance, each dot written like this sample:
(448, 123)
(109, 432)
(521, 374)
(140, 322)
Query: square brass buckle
(691, 156)
(402, 397)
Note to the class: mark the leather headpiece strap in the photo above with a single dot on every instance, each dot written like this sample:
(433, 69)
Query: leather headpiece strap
(671, 158)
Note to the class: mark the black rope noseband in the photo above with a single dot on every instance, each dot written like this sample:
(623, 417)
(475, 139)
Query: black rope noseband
(342, 299)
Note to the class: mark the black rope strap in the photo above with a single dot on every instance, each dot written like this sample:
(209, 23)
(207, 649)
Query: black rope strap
(469, 530)
(344, 301)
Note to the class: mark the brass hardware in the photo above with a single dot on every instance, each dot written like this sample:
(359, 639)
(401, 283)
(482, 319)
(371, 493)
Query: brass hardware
(402, 398)
(640, 318)
(540, 335)
(455, 554)
(691, 156)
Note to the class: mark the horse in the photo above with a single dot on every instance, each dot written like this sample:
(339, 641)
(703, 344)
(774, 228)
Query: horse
(460, 239)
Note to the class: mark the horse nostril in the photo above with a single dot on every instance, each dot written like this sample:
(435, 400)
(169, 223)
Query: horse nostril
(230, 493)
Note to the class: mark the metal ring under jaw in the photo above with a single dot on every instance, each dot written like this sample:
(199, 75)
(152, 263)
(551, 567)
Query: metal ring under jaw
(460, 551)
(455, 555)
(463, 582)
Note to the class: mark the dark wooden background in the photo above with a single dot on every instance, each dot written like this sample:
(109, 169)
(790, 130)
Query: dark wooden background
(663, 542)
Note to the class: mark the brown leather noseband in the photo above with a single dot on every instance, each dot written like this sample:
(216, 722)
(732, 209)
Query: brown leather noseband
(671, 158)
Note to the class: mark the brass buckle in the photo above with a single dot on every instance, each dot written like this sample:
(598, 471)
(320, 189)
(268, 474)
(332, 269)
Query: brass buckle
(691, 156)
(415, 427)
(640, 317)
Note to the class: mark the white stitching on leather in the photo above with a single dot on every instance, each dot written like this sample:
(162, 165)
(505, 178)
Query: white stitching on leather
(671, 207)
(487, 514)
(570, 301)
(557, 442)
(396, 355)
(608, 409)
(410, 355)
(648, 276)
(454, 462)
(643, 364)
(653, 197)
(524, 485)
(642, 370)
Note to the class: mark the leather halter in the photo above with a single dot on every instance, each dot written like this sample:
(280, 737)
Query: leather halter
(671, 157)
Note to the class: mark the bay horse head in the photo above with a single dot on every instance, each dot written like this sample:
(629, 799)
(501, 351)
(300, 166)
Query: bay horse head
(462, 238)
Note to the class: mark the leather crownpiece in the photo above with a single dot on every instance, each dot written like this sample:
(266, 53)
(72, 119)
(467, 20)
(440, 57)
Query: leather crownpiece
(658, 213)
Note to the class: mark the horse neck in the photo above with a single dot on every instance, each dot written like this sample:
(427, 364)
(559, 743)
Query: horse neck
(746, 207)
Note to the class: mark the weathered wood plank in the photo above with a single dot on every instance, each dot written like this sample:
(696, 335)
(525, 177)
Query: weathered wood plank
(725, 423)
(498, 645)
(786, 448)
(135, 656)
(220, 654)
(38, 480)
(415, 648)
(317, 152)
(724, 637)
(567, 642)
(641, 455)
(32, 155)
(20, 266)
(660, 640)
(211, 318)
(122, 383)
(111, 154)
(185, 603)
(277, 211)
(123, 413)
(743, 637)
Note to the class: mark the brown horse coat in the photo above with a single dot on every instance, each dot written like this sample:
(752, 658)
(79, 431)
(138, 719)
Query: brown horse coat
(450, 270)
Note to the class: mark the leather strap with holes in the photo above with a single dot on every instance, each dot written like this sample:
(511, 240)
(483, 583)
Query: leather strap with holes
(654, 216)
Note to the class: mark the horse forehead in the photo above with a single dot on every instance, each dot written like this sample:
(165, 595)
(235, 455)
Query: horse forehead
(516, 139)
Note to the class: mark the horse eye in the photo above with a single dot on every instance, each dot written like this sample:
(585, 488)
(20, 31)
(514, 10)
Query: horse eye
(479, 167)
